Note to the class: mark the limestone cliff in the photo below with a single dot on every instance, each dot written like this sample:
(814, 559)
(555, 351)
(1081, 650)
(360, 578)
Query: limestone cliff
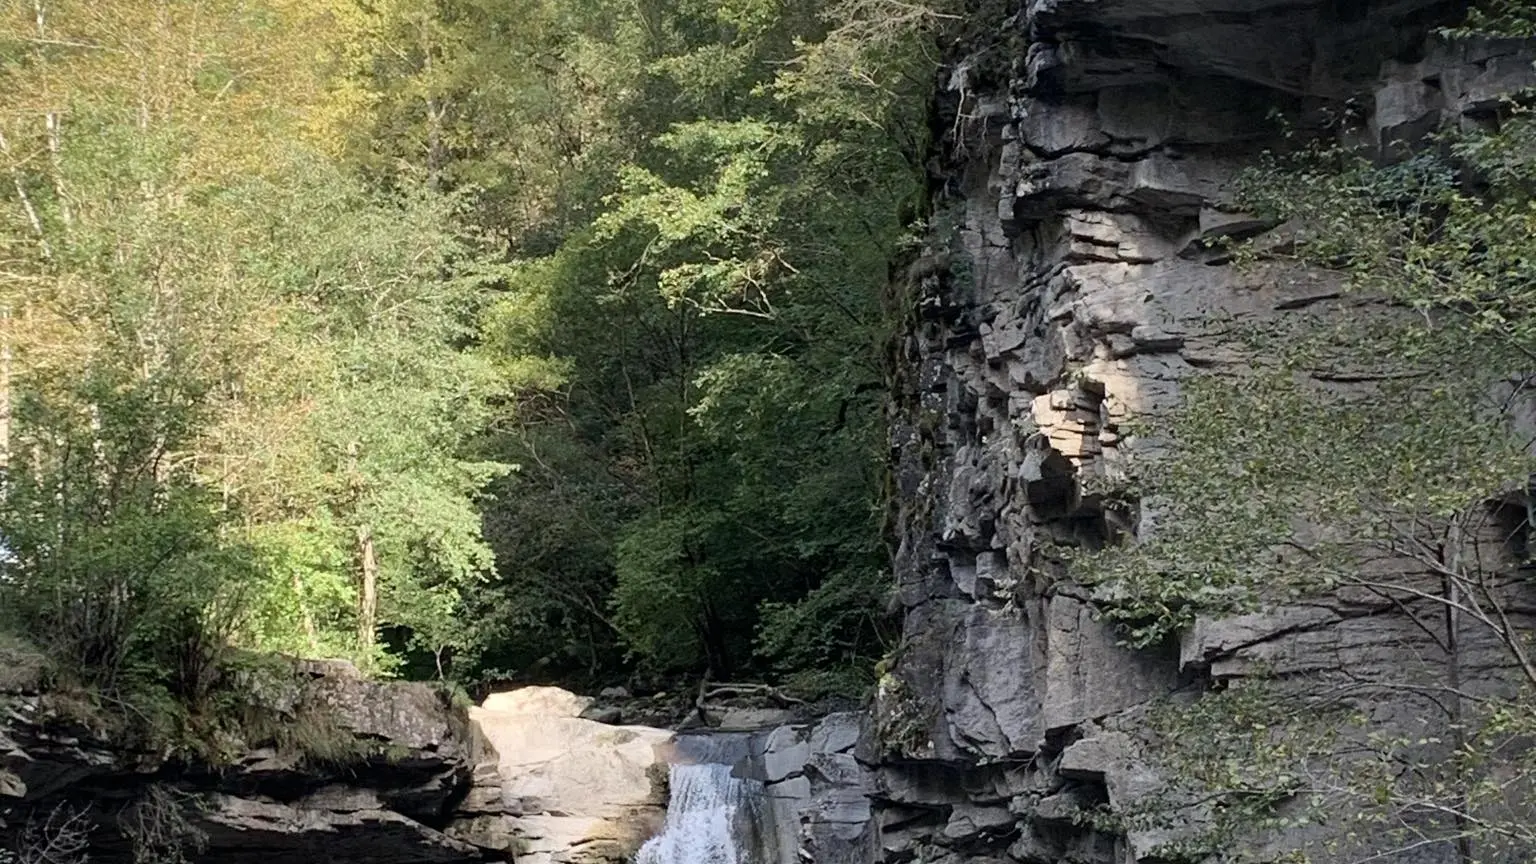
(1083, 171)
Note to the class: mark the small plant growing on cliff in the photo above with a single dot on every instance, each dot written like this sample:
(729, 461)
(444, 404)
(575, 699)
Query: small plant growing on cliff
(1279, 481)
(903, 719)
(1377, 457)
(1499, 19)
(158, 827)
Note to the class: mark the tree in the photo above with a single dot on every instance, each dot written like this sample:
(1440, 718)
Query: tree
(1379, 460)
(694, 305)
(295, 345)
(378, 460)
(384, 251)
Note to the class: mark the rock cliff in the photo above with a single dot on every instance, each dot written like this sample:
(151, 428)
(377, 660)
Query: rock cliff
(359, 770)
(366, 771)
(1081, 185)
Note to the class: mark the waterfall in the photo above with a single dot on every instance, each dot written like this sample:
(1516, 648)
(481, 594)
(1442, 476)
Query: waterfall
(713, 817)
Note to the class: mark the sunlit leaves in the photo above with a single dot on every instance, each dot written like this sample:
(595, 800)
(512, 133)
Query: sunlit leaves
(306, 331)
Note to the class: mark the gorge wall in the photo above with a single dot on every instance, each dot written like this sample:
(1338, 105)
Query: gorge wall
(1083, 178)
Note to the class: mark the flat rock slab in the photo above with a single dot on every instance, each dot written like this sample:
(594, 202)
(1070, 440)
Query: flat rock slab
(573, 791)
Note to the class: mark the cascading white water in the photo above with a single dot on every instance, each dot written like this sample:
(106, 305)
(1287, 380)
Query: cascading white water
(712, 816)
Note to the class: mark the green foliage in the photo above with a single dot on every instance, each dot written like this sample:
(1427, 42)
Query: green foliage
(637, 251)
(1254, 777)
(1414, 231)
(1373, 453)
(1281, 480)
(306, 585)
(225, 370)
(904, 720)
(118, 564)
(1281, 759)
(1364, 424)
(823, 634)
(663, 591)
(551, 524)
(692, 327)
(1500, 19)
(404, 402)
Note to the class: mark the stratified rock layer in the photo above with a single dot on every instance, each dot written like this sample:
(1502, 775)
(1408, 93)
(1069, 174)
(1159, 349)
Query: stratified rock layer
(405, 777)
(1083, 175)
(405, 764)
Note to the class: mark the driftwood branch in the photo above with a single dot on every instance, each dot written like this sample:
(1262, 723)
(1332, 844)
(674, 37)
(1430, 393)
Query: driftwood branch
(706, 692)
(768, 690)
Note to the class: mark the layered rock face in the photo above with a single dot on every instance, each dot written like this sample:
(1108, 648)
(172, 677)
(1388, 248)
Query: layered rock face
(1083, 178)
(408, 761)
(385, 772)
(818, 792)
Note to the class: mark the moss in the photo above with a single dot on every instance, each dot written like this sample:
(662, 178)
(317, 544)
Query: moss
(453, 695)
(256, 701)
(23, 668)
(317, 737)
(394, 754)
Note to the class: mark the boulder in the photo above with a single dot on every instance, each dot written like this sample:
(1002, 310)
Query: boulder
(538, 701)
(572, 790)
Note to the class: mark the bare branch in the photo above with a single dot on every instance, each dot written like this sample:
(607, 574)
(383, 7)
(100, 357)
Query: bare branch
(26, 200)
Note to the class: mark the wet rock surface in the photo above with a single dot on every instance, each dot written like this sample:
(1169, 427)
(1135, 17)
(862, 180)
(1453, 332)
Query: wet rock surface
(817, 803)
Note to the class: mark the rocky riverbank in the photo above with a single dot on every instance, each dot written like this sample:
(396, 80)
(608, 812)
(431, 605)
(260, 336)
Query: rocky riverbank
(380, 777)
(400, 773)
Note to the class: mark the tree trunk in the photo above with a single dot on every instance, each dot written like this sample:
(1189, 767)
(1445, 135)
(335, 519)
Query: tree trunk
(51, 121)
(1452, 586)
(56, 160)
(5, 393)
(435, 113)
(309, 620)
(368, 591)
(716, 652)
(26, 200)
